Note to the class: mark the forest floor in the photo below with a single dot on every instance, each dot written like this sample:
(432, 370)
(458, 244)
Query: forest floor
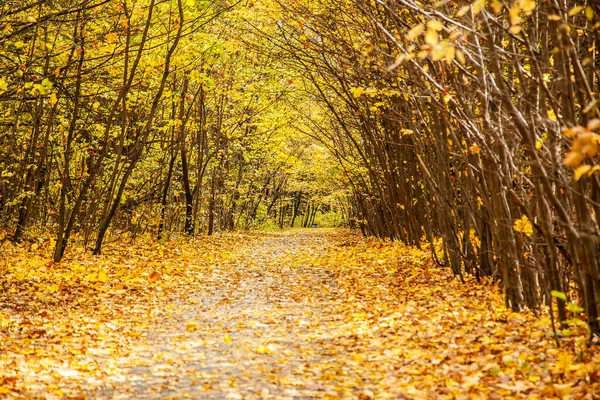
(295, 315)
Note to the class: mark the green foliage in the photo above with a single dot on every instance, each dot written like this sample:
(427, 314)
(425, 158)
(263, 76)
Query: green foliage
(330, 219)
(559, 295)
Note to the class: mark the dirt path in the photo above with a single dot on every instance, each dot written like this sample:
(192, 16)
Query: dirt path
(265, 328)
(296, 315)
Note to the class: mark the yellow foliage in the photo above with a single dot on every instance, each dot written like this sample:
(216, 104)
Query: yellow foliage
(111, 38)
(523, 225)
(435, 25)
(527, 6)
(432, 37)
(415, 32)
(478, 6)
(585, 143)
(579, 171)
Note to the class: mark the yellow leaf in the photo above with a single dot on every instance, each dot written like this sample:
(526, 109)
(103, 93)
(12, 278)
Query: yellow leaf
(527, 6)
(589, 13)
(438, 52)
(53, 99)
(563, 390)
(575, 10)
(399, 60)
(592, 170)
(564, 362)
(3, 87)
(415, 32)
(463, 11)
(191, 326)
(573, 159)
(478, 6)
(227, 339)
(474, 149)
(263, 350)
(371, 91)
(450, 53)
(496, 6)
(514, 14)
(154, 276)
(52, 288)
(102, 277)
(435, 25)
(523, 225)
(357, 92)
(515, 29)
(111, 38)
(432, 37)
(580, 171)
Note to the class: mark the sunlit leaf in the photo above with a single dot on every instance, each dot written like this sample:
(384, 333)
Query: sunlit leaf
(580, 171)
(415, 31)
(478, 6)
(432, 37)
(523, 225)
(435, 25)
(575, 10)
(559, 295)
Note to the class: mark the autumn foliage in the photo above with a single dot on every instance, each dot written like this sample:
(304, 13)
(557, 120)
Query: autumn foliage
(463, 135)
(311, 314)
(151, 116)
(474, 122)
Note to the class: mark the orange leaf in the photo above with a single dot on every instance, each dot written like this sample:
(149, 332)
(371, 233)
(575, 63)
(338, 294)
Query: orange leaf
(154, 276)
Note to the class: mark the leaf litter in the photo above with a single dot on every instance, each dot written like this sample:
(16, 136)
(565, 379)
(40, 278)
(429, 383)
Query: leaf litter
(321, 314)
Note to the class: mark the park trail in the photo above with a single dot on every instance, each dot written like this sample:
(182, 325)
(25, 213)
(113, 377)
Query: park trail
(302, 314)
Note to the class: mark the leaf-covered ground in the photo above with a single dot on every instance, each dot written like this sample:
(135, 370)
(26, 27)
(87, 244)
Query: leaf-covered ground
(301, 314)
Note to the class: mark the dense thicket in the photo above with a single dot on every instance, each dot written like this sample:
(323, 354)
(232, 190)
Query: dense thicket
(146, 116)
(476, 123)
